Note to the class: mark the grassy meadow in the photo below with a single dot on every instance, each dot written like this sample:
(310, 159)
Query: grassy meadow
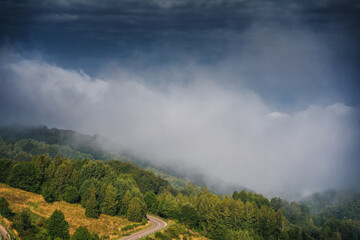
(74, 213)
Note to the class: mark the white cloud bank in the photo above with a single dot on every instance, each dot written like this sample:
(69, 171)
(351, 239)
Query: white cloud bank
(228, 134)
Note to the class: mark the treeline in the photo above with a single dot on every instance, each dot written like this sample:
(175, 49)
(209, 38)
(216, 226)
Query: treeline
(53, 136)
(113, 188)
(24, 149)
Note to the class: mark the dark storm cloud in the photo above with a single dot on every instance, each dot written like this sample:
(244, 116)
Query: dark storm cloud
(253, 92)
(167, 19)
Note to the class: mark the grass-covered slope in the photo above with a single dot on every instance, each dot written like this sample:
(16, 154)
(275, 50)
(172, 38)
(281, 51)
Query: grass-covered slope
(105, 225)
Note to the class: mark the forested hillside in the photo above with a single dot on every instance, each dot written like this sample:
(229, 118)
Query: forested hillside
(118, 188)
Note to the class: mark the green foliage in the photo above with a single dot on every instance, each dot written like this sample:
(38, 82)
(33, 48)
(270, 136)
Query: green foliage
(26, 176)
(168, 207)
(57, 226)
(88, 186)
(92, 208)
(71, 194)
(191, 189)
(145, 180)
(237, 235)
(82, 233)
(133, 226)
(23, 225)
(48, 192)
(23, 156)
(189, 215)
(4, 208)
(5, 149)
(244, 196)
(43, 235)
(110, 204)
(5, 166)
(277, 203)
(296, 213)
(134, 211)
(151, 201)
(96, 170)
(63, 176)
(42, 162)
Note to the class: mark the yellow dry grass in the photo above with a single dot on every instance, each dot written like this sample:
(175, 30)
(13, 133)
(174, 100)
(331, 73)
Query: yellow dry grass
(74, 213)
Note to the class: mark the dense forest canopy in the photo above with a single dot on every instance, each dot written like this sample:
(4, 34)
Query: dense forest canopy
(119, 188)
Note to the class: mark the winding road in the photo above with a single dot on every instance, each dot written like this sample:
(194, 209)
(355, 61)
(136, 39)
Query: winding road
(3, 233)
(156, 225)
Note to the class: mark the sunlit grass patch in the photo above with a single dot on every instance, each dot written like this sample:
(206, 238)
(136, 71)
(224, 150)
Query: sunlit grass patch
(74, 213)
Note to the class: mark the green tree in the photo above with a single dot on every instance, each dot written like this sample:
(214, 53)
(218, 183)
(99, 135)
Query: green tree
(236, 235)
(110, 203)
(95, 170)
(189, 215)
(62, 177)
(23, 156)
(26, 176)
(57, 226)
(22, 223)
(43, 235)
(82, 233)
(42, 162)
(5, 166)
(125, 202)
(4, 208)
(87, 187)
(168, 207)
(92, 208)
(48, 192)
(191, 189)
(250, 214)
(134, 212)
(150, 200)
(71, 194)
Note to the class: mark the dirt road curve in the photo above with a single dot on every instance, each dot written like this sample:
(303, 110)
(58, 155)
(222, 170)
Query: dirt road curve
(156, 225)
(3, 233)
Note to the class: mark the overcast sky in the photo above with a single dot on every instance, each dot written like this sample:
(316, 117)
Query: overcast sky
(262, 94)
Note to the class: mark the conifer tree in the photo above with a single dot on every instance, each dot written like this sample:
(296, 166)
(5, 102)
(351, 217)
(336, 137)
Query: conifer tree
(110, 203)
(134, 212)
(125, 202)
(82, 233)
(57, 226)
(91, 208)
